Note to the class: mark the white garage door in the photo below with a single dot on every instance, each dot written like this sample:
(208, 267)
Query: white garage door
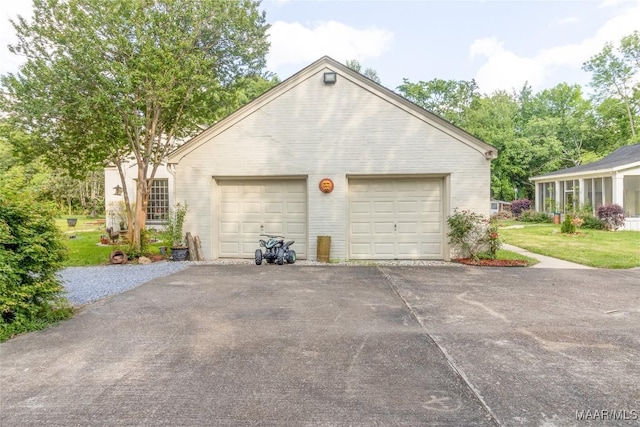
(247, 209)
(395, 218)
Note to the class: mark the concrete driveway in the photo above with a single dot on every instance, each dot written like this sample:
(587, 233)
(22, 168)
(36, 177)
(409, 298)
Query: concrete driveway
(326, 345)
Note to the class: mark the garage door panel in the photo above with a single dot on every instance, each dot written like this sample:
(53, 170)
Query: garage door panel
(251, 208)
(227, 248)
(229, 227)
(360, 207)
(273, 208)
(296, 208)
(405, 217)
(430, 227)
(384, 249)
(383, 227)
(250, 227)
(227, 207)
(296, 229)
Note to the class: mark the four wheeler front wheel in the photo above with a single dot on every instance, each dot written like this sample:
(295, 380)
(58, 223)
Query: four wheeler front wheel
(291, 257)
(258, 257)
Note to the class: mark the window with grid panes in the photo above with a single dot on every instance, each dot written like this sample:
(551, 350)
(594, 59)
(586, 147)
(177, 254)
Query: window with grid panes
(158, 200)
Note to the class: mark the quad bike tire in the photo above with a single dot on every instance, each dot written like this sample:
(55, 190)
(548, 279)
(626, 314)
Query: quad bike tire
(291, 257)
(258, 257)
(280, 258)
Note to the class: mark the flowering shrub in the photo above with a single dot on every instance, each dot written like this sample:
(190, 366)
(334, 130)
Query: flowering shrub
(611, 215)
(473, 235)
(519, 206)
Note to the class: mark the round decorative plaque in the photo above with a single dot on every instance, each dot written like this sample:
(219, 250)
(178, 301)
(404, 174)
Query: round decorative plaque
(326, 185)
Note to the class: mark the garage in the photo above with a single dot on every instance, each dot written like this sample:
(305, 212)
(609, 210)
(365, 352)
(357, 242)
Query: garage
(328, 152)
(248, 208)
(396, 218)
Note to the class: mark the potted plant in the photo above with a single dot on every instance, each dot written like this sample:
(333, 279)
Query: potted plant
(173, 233)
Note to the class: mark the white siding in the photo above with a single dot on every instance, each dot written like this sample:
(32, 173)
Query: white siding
(335, 131)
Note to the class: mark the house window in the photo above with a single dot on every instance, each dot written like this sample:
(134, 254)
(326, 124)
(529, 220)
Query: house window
(158, 200)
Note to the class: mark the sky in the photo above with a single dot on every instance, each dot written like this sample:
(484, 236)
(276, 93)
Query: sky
(500, 44)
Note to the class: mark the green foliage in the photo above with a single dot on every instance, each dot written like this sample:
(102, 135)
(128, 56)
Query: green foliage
(370, 73)
(535, 217)
(31, 252)
(592, 223)
(568, 226)
(106, 79)
(450, 99)
(172, 234)
(473, 235)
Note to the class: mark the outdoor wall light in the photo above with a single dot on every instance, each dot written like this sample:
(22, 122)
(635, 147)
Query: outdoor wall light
(330, 78)
(118, 190)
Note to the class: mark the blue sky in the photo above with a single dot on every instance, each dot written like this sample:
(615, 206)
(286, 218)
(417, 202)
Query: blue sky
(501, 44)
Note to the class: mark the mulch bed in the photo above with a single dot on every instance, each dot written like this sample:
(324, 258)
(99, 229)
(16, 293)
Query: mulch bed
(493, 262)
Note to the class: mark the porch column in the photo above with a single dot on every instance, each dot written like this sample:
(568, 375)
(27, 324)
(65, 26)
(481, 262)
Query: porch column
(581, 193)
(539, 203)
(558, 196)
(617, 186)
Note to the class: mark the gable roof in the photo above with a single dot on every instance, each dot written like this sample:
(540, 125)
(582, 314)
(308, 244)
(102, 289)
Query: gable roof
(343, 71)
(622, 158)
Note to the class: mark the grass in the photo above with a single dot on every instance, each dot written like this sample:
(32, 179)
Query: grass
(505, 254)
(83, 240)
(595, 248)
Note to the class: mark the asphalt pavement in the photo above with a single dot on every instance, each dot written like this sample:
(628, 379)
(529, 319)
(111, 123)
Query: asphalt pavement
(324, 345)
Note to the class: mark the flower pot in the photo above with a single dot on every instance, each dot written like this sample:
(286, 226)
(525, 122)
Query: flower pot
(71, 222)
(179, 254)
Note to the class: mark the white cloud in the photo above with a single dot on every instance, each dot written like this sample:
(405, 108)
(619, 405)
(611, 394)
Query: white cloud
(10, 10)
(293, 43)
(504, 69)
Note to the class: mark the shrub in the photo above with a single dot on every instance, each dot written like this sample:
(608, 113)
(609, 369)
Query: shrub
(519, 206)
(31, 252)
(502, 215)
(473, 235)
(567, 226)
(592, 223)
(533, 216)
(612, 216)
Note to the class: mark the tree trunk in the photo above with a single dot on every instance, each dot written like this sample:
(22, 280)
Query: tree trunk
(142, 201)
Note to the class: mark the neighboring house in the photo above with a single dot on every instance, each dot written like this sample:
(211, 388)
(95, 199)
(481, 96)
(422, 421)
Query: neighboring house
(612, 179)
(159, 199)
(499, 206)
(395, 171)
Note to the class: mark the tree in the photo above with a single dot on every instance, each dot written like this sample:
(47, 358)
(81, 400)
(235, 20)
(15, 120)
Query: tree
(107, 79)
(450, 99)
(562, 114)
(369, 73)
(616, 74)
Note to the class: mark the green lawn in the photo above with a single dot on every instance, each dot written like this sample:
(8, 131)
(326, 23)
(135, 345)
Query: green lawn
(604, 249)
(83, 242)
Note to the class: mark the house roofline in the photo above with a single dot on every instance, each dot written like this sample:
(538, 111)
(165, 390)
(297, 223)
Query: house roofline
(290, 83)
(603, 171)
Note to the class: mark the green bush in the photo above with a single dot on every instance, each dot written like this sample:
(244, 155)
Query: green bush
(592, 223)
(31, 252)
(535, 217)
(567, 226)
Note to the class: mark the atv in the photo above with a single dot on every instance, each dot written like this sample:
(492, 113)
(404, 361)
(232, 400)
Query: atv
(276, 250)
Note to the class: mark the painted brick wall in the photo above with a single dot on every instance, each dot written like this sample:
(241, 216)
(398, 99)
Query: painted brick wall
(333, 131)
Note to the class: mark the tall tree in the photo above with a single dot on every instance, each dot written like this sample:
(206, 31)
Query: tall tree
(105, 79)
(369, 73)
(450, 99)
(561, 113)
(616, 74)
